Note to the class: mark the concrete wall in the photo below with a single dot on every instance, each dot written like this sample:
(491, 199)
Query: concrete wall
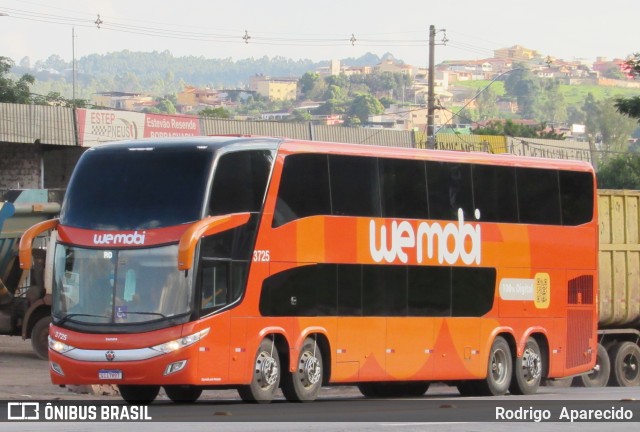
(20, 166)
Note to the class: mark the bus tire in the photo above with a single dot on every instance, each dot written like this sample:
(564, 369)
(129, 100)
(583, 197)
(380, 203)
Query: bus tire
(625, 365)
(183, 393)
(559, 382)
(600, 374)
(265, 378)
(303, 384)
(40, 337)
(139, 394)
(393, 389)
(527, 371)
(468, 387)
(499, 369)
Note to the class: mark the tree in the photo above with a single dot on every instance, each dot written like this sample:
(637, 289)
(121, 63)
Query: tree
(487, 102)
(614, 127)
(215, 112)
(307, 82)
(620, 172)
(365, 105)
(631, 106)
(14, 91)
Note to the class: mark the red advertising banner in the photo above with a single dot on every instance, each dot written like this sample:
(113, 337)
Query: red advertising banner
(171, 126)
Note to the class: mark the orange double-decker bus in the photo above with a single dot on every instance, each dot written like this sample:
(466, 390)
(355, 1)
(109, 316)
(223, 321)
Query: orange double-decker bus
(263, 263)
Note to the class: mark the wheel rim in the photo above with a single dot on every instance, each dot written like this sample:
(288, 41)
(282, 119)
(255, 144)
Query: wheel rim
(499, 366)
(310, 369)
(531, 365)
(266, 370)
(630, 367)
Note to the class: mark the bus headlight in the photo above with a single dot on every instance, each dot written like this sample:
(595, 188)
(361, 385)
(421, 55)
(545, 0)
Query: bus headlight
(175, 345)
(59, 347)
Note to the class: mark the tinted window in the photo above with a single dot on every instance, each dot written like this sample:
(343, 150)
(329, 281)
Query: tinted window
(354, 186)
(350, 290)
(429, 291)
(494, 193)
(449, 186)
(239, 182)
(404, 189)
(538, 196)
(384, 290)
(302, 291)
(304, 188)
(576, 194)
(379, 290)
(472, 291)
(127, 189)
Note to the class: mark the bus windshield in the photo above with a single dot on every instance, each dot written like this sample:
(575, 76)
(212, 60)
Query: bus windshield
(129, 189)
(119, 286)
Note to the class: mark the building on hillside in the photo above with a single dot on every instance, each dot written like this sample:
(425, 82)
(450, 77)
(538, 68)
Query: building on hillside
(193, 97)
(122, 100)
(408, 117)
(391, 66)
(274, 88)
(517, 52)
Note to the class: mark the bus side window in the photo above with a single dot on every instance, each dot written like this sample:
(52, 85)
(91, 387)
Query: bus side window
(215, 285)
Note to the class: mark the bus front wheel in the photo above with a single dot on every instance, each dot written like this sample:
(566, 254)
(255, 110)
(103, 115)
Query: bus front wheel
(303, 384)
(139, 394)
(265, 375)
(183, 393)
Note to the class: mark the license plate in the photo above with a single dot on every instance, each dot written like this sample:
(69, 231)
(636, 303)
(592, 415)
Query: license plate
(105, 374)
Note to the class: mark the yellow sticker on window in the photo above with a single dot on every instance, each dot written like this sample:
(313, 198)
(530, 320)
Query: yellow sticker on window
(542, 290)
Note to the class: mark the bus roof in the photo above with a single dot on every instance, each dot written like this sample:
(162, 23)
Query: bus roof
(291, 146)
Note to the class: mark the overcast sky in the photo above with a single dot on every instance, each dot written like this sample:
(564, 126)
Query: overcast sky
(320, 29)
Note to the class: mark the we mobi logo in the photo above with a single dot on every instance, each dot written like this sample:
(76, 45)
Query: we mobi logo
(403, 239)
(134, 238)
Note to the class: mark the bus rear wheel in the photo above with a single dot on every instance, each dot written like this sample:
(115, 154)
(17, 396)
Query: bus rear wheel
(183, 393)
(265, 376)
(600, 374)
(304, 383)
(499, 370)
(625, 364)
(527, 372)
(139, 394)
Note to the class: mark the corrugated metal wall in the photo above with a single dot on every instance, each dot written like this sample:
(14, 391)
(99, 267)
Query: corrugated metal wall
(213, 126)
(55, 126)
(307, 131)
(27, 123)
(385, 137)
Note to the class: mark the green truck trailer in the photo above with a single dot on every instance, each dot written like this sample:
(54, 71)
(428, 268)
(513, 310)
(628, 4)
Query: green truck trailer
(25, 305)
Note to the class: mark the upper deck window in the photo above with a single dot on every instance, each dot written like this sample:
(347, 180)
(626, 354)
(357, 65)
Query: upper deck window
(129, 189)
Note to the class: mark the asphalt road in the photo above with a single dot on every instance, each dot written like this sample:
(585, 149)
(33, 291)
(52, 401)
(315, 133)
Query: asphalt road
(23, 377)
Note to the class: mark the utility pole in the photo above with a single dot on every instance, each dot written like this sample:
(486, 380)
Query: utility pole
(431, 99)
(73, 70)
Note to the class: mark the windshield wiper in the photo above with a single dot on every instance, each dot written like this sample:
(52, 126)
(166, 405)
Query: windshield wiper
(67, 317)
(145, 313)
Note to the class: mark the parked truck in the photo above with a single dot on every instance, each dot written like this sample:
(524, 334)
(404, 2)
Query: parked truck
(618, 357)
(25, 306)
